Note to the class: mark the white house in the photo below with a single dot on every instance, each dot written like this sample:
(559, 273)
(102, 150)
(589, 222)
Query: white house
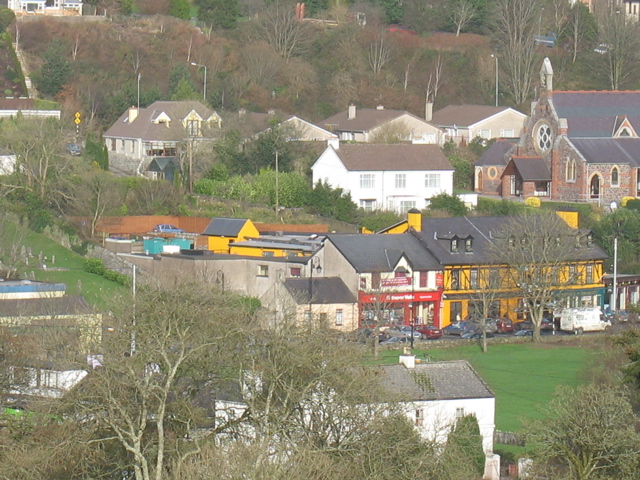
(436, 394)
(381, 125)
(395, 177)
(163, 129)
(46, 7)
(466, 122)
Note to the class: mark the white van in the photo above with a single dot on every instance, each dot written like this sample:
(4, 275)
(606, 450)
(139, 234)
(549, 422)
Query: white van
(586, 319)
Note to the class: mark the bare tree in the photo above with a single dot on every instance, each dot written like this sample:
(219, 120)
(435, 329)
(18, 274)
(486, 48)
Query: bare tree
(620, 41)
(462, 12)
(515, 22)
(379, 52)
(283, 31)
(539, 249)
(581, 28)
(435, 79)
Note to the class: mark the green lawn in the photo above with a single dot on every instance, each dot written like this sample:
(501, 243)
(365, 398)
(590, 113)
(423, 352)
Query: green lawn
(96, 289)
(522, 376)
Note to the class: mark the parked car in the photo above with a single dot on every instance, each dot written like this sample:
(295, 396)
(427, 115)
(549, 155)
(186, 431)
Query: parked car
(459, 328)
(396, 339)
(504, 325)
(429, 331)
(524, 333)
(167, 228)
(475, 335)
(74, 149)
(406, 330)
(546, 325)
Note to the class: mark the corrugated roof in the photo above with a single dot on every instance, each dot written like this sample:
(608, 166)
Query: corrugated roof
(225, 227)
(434, 381)
(143, 126)
(320, 290)
(532, 169)
(496, 154)
(67, 305)
(381, 253)
(385, 157)
(594, 114)
(465, 115)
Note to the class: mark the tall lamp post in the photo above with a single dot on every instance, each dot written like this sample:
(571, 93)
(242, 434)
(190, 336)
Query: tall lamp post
(613, 303)
(314, 264)
(493, 55)
(204, 88)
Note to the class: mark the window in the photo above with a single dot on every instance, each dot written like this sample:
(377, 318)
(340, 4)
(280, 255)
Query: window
(339, 317)
(455, 279)
(468, 245)
(307, 316)
(590, 240)
(473, 278)
(512, 242)
(544, 136)
(419, 417)
(367, 180)
(263, 270)
(363, 283)
(193, 128)
(455, 311)
(266, 253)
(432, 180)
(368, 205)
(507, 133)
(406, 205)
(375, 280)
(615, 177)
(454, 245)
(485, 133)
(459, 412)
(423, 279)
(589, 278)
(400, 273)
(570, 170)
(295, 272)
(113, 144)
(401, 180)
(572, 273)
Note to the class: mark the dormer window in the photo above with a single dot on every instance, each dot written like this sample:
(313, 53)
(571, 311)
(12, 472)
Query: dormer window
(625, 132)
(512, 242)
(468, 245)
(193, 128)
(577, 241)
(454, 245)
(590, 239)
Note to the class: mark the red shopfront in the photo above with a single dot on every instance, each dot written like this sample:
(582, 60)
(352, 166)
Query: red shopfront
(400, 308)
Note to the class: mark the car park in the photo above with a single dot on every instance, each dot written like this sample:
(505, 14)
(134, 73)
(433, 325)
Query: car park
(167, 228)
(429, 331)
(546, 325)
(458, 328)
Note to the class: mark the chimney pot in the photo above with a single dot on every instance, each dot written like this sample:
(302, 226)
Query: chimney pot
(352, 112)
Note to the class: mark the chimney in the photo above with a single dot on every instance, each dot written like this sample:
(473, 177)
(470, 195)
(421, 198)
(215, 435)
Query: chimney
(334, 142)
(428, 111)
(407, 359)
(414, 219)
(352, 112)
(563, 127)
(133, 114)
(380, 107)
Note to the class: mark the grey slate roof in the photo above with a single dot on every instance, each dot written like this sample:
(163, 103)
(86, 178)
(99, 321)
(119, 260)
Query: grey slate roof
(144, 127)
(464, 115)
(320, 290)
(437, 233)
(225, 227)
(159, 164)
(381, 253)
(609, 150)
(251, 123)
(434, 381)
(366, 119)
(496, 154)
(67, 305)
(594, 114)
(384, 157)
(532, 169)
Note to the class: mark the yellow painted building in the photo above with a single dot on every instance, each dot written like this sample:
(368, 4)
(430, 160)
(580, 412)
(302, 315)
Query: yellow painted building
(223, 231)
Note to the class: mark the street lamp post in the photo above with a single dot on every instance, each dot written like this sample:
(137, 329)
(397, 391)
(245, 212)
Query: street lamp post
(614, 288)
(496, 57)
(204, 88)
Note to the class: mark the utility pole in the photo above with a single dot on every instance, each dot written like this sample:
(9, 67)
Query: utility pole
(277, 189)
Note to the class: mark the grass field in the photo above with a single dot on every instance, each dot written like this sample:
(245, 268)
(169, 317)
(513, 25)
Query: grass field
(522, 376)
(96, 289)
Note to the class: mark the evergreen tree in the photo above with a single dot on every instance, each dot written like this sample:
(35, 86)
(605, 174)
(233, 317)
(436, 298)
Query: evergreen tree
(176, 75)
(56, 68)
(180, 9)
(219, 13)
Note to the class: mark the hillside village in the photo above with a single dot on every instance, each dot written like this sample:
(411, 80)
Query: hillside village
(323, 239)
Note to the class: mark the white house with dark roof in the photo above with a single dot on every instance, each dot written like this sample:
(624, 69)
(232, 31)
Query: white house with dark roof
(436, 394)
(46, 7)
(463, 123)
(381, 125)
(395, 177)
(163, 129)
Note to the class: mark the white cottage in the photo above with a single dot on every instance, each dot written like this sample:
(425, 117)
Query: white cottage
(395, 177)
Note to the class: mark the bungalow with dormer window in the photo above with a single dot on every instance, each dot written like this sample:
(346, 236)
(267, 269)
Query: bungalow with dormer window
(163, 129)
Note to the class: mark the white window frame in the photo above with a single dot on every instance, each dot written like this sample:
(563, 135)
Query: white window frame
(367, 180)
(507, 133)
(432, 180)
(406, 205)
(401, 180)
(339, 317)
(368, 204)
(263, 270)
(484, 133)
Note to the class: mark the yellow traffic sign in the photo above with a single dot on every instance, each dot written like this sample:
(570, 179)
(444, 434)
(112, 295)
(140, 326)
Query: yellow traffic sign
(77, 121)
(77, 115)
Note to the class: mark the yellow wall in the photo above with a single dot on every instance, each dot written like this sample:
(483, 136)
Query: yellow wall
(571, 218)
(221, 244)
(260, 252)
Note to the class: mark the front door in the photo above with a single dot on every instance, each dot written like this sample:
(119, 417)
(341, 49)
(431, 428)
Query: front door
(594, 188)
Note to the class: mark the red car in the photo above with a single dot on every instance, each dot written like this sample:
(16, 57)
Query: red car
(504, 325)
(429, 331)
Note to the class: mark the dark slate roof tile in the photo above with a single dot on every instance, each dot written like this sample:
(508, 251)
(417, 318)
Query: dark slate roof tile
(225, 227)
(609, 150)
(365, 119)
(496, 154)
(401, 157)
(532, 169)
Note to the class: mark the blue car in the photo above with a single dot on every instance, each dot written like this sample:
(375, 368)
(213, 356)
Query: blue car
(167, 228)
(459, 328)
